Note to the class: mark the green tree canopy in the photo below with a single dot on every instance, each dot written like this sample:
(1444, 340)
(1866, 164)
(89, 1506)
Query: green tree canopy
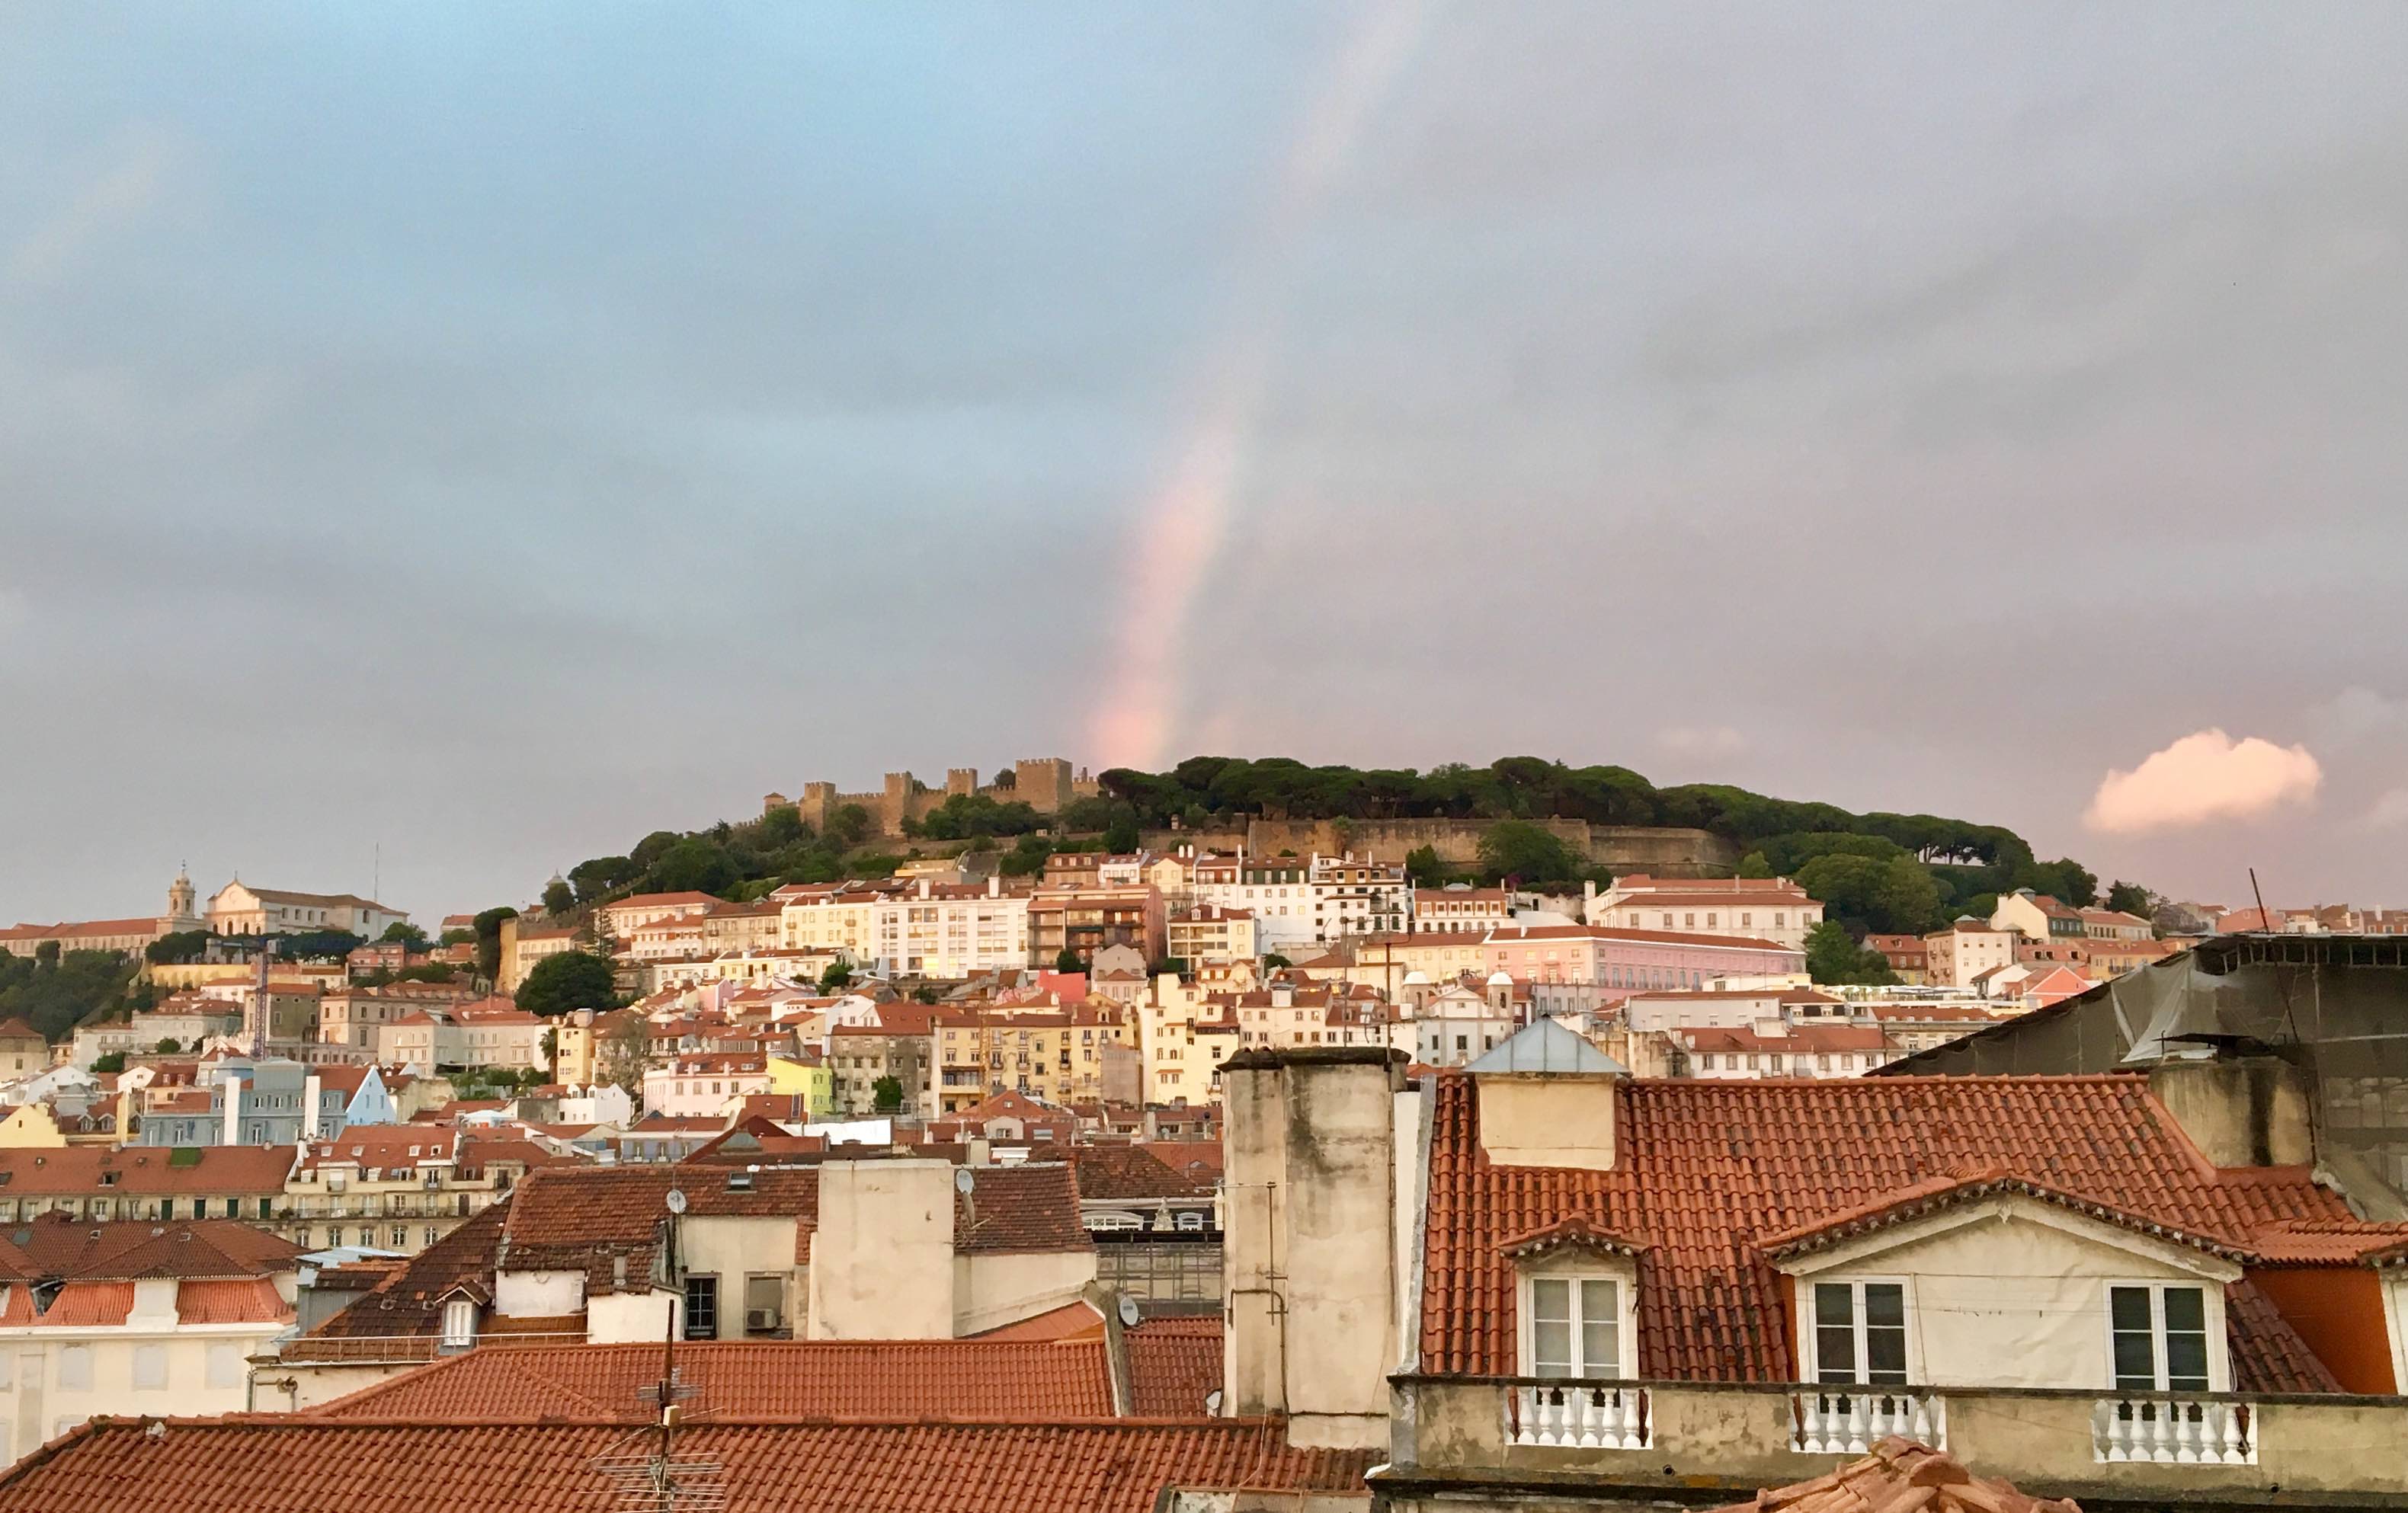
(568, 981)
(837, 976)
(319, 946)
(693, 865)
(886, 1095)
(1066, 960)
(176, 946)
(970, 816)
(558, 897)
(2133, 899)
(108, 1062)
(488, 926)
(1528, 853)
(406, 933)
(1833, 958)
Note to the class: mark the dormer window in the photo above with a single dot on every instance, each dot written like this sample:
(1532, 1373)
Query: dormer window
(459, 1324)
(2160, 1338)
(1576, 1326)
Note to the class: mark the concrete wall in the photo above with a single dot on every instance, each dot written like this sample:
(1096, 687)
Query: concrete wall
(2247, 1112)
(625, 1318)
(882, 1262)
(538, 1294)
(1547, 1118)
(1310, 1259)
(37, 1402)
(733, 1249)
(2342, 1452)
(992, 1290)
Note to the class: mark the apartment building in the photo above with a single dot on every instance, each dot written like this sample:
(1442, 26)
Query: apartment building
(1058, 1056)
(1302, 901)
(1203, 935)
(1459, 906)
(1083, 920)
(240, 909)
(399, 1188)
(1955, 956)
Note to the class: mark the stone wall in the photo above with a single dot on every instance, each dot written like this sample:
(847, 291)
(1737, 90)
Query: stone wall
(1045, 784)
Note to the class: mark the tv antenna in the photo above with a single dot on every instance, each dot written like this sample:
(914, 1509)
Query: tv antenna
(666, 1481)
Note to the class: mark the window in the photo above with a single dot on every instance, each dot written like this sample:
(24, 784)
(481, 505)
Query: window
(2160, 1338)
(1575, 1326)
(459, 1324)
(75, 1368)
(701, 1307)
(150, 1366)
(765, 1304)
(225, 1365)
(1860, 1332)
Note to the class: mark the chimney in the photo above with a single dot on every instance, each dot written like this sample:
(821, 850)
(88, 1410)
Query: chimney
(924, 887)
(994, 885)
(2244, 1111)
(312, 1086)
(1317, 1142)
(883, 1255)
(232, 1087)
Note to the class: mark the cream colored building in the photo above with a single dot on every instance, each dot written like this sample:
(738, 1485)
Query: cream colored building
(438, 1040)
(1210, 933)
(240, 909)
(1966, 949)
(524, 946)
(158, 1322)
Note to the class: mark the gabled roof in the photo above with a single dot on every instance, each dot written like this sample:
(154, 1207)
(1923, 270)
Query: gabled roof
(1936, 1193)
(1710, 1170)
(1544, 1046)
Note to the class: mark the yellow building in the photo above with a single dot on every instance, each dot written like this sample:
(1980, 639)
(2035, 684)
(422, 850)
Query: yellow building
(807, 1078)
(30, 1127)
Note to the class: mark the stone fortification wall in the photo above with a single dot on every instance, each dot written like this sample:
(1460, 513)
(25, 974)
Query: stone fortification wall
(1663, 852)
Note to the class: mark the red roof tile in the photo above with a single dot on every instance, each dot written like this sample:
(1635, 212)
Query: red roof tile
(758, 1381)
(1707, 1170)
(244, 1462)
(1174, 1364)
(228, 1301)
(1900, 1475)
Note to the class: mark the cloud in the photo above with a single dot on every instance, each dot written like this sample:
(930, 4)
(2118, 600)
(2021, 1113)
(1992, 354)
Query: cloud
(2204, 776)
(2359, 712)
(1710, 743)
(120, 191)
(2391, 811)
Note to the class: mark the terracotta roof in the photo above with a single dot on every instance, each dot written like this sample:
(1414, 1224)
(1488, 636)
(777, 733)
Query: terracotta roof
(1900, 1475)
(758, 1381)
(89, 1305)
(259, 1460)
(1122, 1172)
(14, 1028)
(1519, 934)
(1033, 1206)
(2331, 1243)
(145, 1171)
(228, 1301)
(1072, 1321)
(1934, 1193)
(1174, 1363)
(1706, 1170)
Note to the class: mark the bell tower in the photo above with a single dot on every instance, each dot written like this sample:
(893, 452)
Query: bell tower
(181, 915)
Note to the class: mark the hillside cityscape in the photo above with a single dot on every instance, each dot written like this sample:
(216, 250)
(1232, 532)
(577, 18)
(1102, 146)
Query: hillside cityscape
(1683, 737)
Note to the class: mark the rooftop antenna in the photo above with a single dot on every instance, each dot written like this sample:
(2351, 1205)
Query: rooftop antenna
(2281, 984)
(666, 1481)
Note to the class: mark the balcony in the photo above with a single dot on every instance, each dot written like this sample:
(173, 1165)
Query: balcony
(1605, 1442)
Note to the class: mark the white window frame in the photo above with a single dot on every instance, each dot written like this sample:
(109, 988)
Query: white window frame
(459, 1323)
(2211, 1308)
(1581, 1266)
(1810, 1362)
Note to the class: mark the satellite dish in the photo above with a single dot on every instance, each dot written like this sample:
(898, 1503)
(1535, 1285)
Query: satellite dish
(677, 1200)
(1128, 1311)
(963, 1181)
(1212, 1401)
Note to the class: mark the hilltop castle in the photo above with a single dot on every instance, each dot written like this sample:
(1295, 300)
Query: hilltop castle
(1045, 784)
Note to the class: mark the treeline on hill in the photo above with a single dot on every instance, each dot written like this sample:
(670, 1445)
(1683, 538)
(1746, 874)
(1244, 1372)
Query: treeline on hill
(1879, 871)
(55, 991)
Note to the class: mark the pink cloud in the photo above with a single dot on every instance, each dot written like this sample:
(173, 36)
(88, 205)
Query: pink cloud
(2204, 776)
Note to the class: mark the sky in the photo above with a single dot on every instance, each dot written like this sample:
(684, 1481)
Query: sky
(443, 443)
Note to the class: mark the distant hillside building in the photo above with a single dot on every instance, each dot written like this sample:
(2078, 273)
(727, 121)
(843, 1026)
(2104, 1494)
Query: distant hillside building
(126, 937)
(240, 909)
(1045, 784)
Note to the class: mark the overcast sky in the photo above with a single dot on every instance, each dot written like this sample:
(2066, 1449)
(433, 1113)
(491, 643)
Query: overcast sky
(491, 432)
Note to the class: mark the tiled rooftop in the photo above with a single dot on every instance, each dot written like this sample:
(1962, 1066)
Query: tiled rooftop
(1174, 1364)
(1706, 1172)
(1899, 1475)
(246, 1462)
(758, 1381)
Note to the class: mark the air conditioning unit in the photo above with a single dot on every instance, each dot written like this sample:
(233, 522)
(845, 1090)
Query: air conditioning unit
(760, 1320)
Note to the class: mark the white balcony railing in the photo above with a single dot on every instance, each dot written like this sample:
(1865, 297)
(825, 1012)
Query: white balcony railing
(1591, 1415)
(2174, 1431)
(1850, 1420)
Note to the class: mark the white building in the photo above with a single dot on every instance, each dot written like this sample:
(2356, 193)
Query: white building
(1758, 908)
(128, 1318)
(1209, 933)
(240, 909)
(927, 929)
(702, 1087)
(1307, 901)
